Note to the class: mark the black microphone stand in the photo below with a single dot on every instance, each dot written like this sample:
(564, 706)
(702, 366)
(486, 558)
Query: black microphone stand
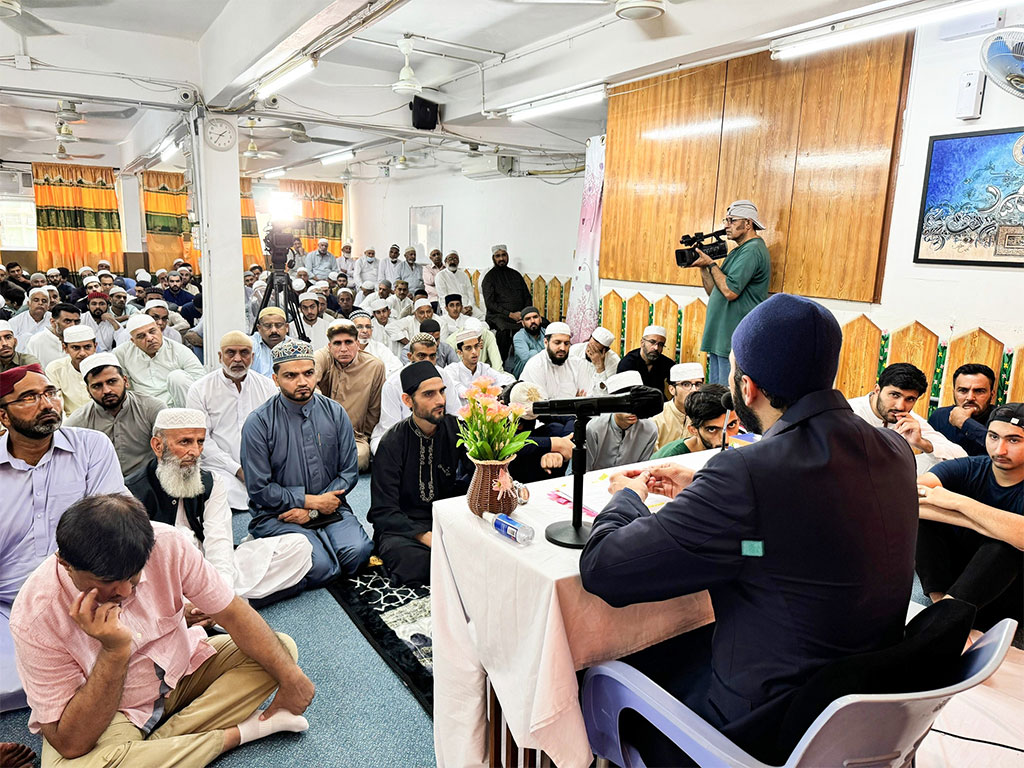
(573, 534)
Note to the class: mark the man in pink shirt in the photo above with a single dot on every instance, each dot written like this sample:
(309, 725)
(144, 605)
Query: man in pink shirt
(110, 668)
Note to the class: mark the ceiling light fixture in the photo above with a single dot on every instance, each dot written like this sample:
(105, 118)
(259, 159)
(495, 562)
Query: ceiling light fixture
(560, 103)
(887, 22)
(639, 10)
(276, 174)
(276, 82)
(337, 157)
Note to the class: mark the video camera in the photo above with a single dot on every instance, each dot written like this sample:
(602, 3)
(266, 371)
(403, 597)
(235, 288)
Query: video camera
(277, 243)
(716, 249)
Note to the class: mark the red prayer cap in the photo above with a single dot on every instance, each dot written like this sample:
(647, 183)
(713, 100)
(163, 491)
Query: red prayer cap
(10, 377)
(99, 295)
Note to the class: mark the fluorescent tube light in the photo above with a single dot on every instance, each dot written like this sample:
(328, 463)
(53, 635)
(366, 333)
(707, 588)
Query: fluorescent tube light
(276, 82)
(561, 103)
(275, 174)
(882, 24)
(337, 157)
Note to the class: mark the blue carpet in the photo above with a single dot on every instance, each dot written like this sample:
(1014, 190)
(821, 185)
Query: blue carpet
(362, 714)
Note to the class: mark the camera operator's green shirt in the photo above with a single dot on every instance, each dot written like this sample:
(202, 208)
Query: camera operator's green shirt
(747, 272)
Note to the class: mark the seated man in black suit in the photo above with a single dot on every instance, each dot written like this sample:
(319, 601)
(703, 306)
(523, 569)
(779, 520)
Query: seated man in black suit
(974, 394)
(805, 539)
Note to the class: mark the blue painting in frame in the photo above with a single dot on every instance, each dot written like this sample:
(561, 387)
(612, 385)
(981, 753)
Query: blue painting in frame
(972, 207)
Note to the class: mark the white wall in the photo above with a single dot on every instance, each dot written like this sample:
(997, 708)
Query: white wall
(535, 219)
(949, 300)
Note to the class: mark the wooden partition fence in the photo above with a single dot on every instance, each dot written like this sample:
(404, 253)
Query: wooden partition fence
(866, 350)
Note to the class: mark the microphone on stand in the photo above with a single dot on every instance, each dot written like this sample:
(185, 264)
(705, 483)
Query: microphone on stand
(644, 402)
(727, 404)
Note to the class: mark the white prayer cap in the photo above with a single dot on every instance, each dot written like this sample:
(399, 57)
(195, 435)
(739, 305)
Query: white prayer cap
(332, 276)
(143, 276)
(420, 303)
(155, 304)
(97, 361)
(554, 328)
(452, 252)
(141, 320)
(160, 272)
(499, 247)
(5, 327)
(83, 270)
(368, 285)
(301, 269)
(117, 289)
(298, 285)
(309, 296)
(53, 271)
(371, 248)
(624, 380)
(104, 272)
(90, 280)
(347, 290)
(76, 333)
(322, 241)
(179, 418)
(526, 392)
(321, 284)
(38, 290)
(409, 248)
(379, 304)
(603, 336)
(655, 330)
(467, 334)
(473, 324)
(177, 261)
(685, 372)
(139, 271)
(103, 261)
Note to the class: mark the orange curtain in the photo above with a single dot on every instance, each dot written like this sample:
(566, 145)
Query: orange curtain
(322, 210)
(77, 222)
(168, 230)
(252, 245)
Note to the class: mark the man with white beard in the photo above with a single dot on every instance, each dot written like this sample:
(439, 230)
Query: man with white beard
(126, 417)
(227, 396)
(363, 321)
(176, 490)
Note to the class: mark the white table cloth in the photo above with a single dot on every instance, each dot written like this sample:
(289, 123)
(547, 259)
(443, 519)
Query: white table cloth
(519, 616)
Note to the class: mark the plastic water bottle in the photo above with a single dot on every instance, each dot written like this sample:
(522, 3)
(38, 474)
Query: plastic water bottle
(521, 533)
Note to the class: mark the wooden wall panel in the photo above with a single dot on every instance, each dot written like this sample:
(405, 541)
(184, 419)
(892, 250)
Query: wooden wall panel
(692, 332)
(760, 130)
(666, 314)
(540, 294)
(554, 299)
(611, 317)
(661, 172)
(638, 310)
(848, 122)
(916, 345)
(858, 359)
(1015, 390)
(976, 346)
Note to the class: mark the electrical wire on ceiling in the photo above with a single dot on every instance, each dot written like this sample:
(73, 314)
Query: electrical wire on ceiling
(553, 133)
(403, 105)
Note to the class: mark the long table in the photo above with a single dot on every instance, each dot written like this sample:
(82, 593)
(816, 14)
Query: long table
(517, 617)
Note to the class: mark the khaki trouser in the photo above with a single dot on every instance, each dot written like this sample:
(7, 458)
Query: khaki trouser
(225, 690)
(363, 453)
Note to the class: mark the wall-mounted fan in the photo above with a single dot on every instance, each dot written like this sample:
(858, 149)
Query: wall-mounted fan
(1002, 58)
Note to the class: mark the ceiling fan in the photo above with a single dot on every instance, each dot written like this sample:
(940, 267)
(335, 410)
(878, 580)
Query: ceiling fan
(68, 112)
(65, 135)
(252, 151)
(297, 133)
(16, 14)
(60, 154)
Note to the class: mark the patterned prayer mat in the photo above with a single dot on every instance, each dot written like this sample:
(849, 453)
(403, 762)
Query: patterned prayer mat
(396, 622)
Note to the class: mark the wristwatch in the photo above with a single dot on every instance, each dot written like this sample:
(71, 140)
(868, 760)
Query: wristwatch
(313, 514)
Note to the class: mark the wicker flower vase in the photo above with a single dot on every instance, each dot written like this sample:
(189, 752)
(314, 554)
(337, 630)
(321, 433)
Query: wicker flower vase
(486, 492)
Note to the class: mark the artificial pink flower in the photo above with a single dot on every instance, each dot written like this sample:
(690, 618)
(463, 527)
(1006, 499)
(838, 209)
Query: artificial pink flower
(464, 411)
(503, 484)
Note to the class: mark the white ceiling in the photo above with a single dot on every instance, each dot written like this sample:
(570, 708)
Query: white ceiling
(186, 19)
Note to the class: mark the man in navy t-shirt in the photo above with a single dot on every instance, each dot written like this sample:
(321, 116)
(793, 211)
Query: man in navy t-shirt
(971, 535)
(974, 394)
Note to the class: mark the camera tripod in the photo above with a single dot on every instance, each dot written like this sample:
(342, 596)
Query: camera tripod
(280, 293)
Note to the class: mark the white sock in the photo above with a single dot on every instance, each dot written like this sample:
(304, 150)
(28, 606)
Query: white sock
(253, 728)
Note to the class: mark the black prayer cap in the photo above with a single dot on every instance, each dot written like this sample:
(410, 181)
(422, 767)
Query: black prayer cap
(453, 297)
(415, 374)
(430, 326)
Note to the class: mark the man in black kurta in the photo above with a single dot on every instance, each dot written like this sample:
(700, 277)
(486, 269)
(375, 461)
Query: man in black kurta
(417, 462)
(505, 294)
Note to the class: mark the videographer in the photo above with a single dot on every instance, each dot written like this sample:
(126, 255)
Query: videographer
(734, 287)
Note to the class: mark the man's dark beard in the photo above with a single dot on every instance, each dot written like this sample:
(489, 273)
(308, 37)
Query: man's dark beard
(108, 405)
(707, 446)
(556, 360)
(33, 429)
(97, 314)
(748, 418)
(533, 331)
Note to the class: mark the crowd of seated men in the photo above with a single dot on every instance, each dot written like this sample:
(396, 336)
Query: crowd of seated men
(123, 459)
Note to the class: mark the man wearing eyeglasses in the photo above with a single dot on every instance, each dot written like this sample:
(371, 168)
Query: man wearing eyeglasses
(734, 287)
(654, 367)
(683, 379)
(44, 468)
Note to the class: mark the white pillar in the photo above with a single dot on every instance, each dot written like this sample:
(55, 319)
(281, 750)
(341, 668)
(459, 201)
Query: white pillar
(132, 216)
(221, 222)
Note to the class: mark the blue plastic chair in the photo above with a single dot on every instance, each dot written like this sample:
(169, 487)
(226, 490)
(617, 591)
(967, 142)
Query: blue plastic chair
(873, 730)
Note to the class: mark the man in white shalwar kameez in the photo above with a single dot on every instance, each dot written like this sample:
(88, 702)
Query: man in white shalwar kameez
(227, 396)
(156, 366)
(469, 368)
(176, 490)
(554, 371)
